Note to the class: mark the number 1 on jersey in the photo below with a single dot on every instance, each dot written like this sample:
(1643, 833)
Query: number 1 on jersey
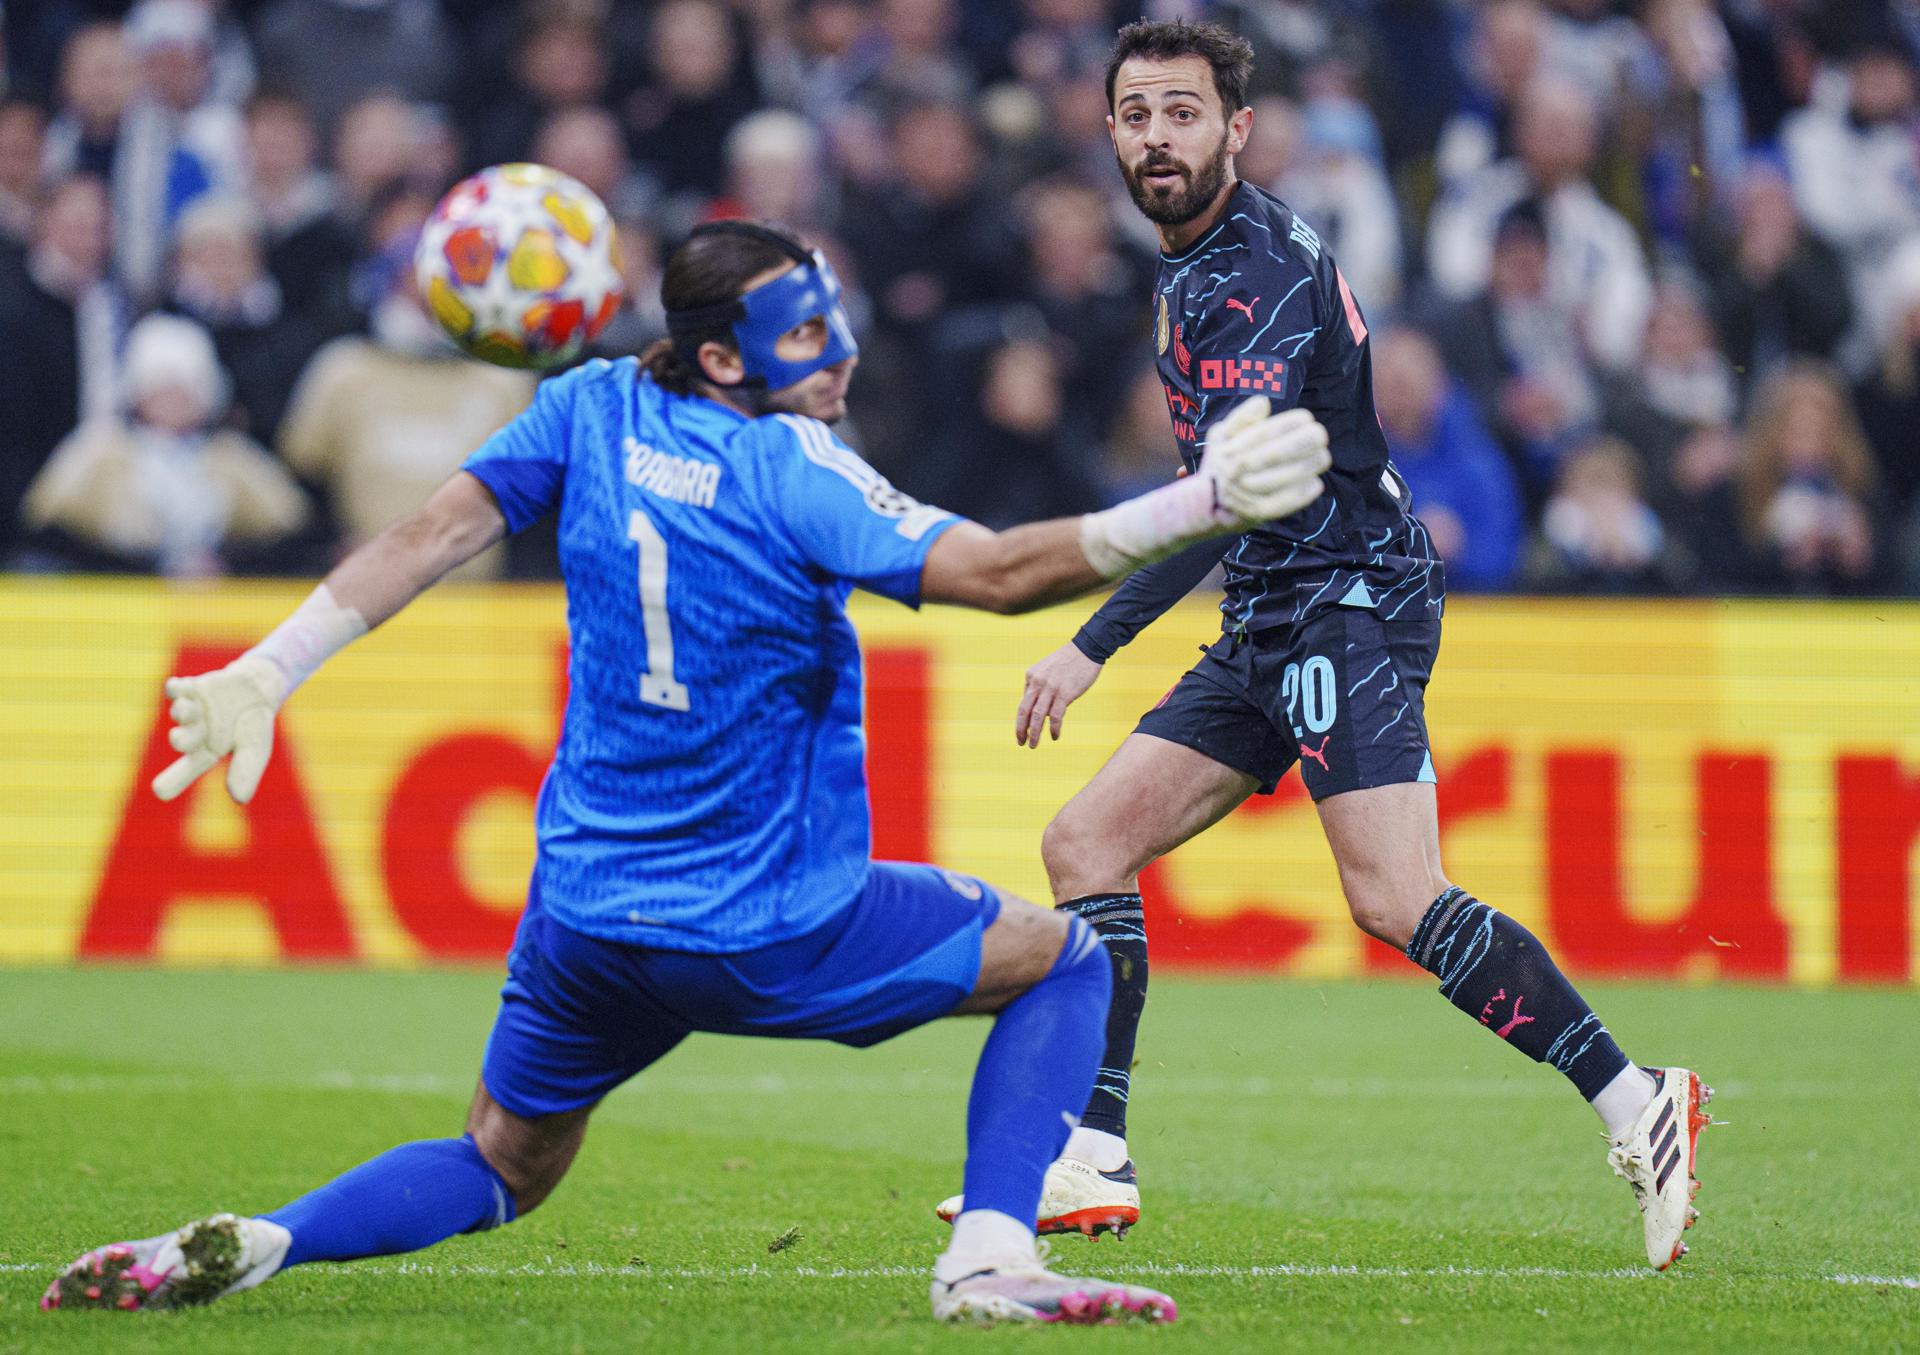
(657, 687)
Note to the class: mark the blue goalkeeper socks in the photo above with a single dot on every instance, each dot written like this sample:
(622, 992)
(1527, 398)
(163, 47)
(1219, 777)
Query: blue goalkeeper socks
(407, 1198)
(1034, 1076)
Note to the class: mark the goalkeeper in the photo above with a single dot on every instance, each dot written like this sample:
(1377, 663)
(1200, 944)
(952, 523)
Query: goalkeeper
(703, 832)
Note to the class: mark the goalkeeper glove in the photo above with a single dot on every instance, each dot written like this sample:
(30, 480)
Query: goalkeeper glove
(227, 711)
(1257, 467)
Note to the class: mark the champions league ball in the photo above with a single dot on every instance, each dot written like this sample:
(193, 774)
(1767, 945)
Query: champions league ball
(518, 265)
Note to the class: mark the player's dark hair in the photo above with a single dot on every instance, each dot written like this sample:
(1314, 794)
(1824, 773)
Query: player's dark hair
(1229, 54)
(710, 270)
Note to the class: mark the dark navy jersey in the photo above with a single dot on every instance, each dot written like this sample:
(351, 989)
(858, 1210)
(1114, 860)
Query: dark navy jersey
(1256, 306)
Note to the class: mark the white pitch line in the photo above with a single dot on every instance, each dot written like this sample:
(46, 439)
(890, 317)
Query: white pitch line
(1879, 1281)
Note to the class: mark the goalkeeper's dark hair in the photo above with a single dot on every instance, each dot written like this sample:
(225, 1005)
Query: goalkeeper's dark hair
(711, 268)
(1229, 54)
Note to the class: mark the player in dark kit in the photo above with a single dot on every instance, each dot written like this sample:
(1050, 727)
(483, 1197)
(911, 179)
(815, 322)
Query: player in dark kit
(1331, 624)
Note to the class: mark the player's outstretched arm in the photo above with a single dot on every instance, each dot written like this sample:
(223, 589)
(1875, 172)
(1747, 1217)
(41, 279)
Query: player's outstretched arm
(1257, 466)
(231, 710)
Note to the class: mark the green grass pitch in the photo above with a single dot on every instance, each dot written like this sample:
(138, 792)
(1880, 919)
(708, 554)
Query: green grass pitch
(1326, 1166)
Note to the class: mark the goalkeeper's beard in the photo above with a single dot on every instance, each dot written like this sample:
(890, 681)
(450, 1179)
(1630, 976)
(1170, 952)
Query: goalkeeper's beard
(1177, 207)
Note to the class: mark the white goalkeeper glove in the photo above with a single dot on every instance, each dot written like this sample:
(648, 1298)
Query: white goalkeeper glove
(229, 710)
(1257, 467)
(1264, 466)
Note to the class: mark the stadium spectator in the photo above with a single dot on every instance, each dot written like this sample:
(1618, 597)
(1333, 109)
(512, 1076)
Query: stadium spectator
(310, 246)
(560, 65)
(21, 130)
(220, 280)
(1775, 60)
(106, 129)
(1464, 491)
(1805, 483)
(1015, 452)
(1073, 129)
(1851, 163)
(378, 145)
(1505, 54)
(1677, 408)
(1087, 291)
(1518, 350)
(1058, 38)
(235, 75)
(1888, 400)
(333, 53)
(926, 241)
(1775, 291)
(1594, 261)
(775, 172)
(1599, 534)
(63, 318)
(1593, 45)
(811, 57)
(1681, 375)
(1415, 81)
(1333, 177)
(380, 421)
(915, 57)
(677, 125)
(1695, 128)
(158, 488)
(588, 144)
(174, 42)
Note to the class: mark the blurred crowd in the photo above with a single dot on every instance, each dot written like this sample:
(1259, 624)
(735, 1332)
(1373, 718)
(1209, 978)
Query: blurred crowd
(1643, 275)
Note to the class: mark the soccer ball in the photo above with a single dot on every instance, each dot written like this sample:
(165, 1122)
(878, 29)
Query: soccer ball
(519, 266)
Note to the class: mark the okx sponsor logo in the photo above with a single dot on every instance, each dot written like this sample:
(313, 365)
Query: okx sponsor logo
(1244, 374)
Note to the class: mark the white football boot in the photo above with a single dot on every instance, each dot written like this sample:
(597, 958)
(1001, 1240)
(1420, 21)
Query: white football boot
(1652, 1155)
(198, 1263)
(1077, 1197)
(1020, 1288)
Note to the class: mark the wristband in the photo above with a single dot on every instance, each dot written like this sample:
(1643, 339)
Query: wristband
(1120, 539)
(318, 629)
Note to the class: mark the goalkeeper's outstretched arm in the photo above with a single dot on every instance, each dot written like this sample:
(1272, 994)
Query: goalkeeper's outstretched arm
(231, 711)
(1257, 466)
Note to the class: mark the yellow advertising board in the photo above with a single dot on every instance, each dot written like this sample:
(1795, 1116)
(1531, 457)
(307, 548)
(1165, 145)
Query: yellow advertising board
(1697, 789)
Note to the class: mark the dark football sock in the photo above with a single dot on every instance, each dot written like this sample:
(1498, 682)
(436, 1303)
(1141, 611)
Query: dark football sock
(1497, 972)
(1122, 928)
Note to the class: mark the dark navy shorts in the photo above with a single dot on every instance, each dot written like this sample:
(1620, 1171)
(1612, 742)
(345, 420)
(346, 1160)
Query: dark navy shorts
(580, 1015)
(1344, 696)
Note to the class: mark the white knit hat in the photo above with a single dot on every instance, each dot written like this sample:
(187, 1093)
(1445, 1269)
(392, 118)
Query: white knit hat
(166, 351)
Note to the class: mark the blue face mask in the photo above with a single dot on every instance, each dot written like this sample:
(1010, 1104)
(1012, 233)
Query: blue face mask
(760, 317)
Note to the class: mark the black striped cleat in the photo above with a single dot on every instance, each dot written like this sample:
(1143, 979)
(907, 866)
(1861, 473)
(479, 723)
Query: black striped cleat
(1651, 1155)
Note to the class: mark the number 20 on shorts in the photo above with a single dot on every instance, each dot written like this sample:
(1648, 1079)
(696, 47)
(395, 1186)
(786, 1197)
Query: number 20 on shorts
(1310, 694)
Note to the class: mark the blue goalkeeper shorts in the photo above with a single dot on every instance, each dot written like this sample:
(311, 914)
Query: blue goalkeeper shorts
(580, 1015)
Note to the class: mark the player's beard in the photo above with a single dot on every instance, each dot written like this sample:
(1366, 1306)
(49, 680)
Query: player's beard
(820, 396)
(1178, 206)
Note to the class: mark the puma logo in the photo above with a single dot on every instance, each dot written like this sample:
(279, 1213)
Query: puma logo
(1486, 1014)
(1319, 755)
(1246, 306)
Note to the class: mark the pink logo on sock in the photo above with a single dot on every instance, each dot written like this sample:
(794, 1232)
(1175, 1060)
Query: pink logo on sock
(1486, 1014)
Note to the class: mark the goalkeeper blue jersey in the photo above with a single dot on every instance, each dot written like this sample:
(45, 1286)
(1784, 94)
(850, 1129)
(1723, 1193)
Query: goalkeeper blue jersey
(709, 789)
